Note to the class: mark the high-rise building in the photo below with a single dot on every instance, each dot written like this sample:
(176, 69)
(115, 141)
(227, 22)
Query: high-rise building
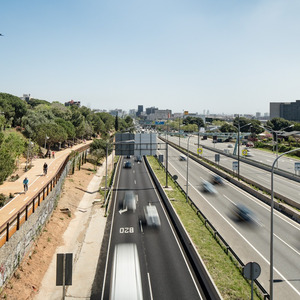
(140, 110)
(286, 110)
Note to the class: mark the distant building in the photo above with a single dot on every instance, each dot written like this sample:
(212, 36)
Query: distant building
(26, 97)
(160, 114)
(72, 102)
(151, 110)
(287, 110)
(140, 110)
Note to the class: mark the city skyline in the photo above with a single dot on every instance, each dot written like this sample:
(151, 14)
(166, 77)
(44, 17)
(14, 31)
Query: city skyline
(222, 57)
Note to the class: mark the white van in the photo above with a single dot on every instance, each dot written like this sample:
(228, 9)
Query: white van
(125, 282)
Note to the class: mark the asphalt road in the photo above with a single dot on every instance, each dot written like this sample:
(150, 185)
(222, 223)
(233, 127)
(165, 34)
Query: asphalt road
(283, 186)
(164, 270)
(250, 241)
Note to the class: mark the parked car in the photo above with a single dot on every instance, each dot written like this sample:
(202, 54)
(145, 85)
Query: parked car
(151, 216)
(127, 164)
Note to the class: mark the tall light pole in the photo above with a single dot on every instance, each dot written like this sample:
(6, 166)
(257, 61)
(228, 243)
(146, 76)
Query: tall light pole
(187, 170)
(238, 139)
(275, 133)
(271, 225)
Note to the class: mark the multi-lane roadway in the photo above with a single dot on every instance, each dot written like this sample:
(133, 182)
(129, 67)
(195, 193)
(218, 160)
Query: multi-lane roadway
(288, 188)
(250, 241)
(165, 272)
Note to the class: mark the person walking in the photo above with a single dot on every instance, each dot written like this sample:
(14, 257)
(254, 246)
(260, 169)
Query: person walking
(45, 168)
(25, 184)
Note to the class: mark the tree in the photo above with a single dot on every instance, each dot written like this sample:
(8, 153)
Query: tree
(278, 123)
(54, 132)
(116, 123)
(193, 120)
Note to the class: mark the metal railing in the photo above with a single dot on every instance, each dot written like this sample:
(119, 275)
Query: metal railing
(228, 250)
(21, 216)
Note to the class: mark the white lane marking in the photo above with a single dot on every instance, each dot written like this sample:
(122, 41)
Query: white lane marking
(25, 199)
(134, 181)
(141, 227)
(35, 189)
(293, 249)
(265, 259)
(150, 288)
(12, 211)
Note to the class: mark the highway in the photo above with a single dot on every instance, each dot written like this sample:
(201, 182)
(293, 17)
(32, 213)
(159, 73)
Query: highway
(250, 241)
(164, 270)
(283, 186)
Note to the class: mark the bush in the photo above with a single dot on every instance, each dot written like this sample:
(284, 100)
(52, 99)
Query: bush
(2, 199)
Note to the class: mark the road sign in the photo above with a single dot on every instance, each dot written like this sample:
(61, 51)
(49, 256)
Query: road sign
(297, 166)
(200, 150)
(244, 152)
(235, 165)
(251, 271)
(159, 122)
(217, 157)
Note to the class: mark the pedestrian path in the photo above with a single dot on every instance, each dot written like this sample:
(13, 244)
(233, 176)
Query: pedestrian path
(36, 181)
(91, 225)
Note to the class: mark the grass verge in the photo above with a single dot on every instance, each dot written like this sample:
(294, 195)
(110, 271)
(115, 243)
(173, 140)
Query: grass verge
(223, 269)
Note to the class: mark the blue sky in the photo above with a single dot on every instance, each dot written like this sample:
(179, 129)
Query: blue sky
(223, 56)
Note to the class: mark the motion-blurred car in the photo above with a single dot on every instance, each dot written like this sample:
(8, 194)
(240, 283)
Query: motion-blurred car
(208, 188)
(216, 179)
(127, 156)
(151, 216)
(129, 201)
(127, 165)
(138, 158)
(230, 146)
(243, 213)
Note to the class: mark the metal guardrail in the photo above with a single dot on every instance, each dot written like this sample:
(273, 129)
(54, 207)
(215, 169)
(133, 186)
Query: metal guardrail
(21, 216)
(211, 228)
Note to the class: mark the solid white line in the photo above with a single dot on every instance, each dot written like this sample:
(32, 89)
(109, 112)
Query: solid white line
(240, 233)
(25, 199)
(12, 211)
(150, 288)
(174, 235)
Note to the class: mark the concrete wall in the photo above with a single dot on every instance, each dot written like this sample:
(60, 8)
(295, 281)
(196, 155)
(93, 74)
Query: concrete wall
(20, 244)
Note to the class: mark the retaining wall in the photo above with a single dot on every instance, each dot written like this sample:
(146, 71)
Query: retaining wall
(20, 244)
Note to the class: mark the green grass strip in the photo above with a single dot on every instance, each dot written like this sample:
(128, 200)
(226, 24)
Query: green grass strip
(223, 269)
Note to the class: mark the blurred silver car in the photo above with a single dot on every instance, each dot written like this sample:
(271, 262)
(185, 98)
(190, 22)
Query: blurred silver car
(129, 201)
(125, 282)
(208, 188)
(151, 216)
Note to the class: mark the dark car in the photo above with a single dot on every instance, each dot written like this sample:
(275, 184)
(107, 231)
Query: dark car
(138, 158)
(127, 164)
(244, 214)
(216, 179)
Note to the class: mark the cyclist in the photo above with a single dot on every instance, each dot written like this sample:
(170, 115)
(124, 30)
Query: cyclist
(45, 168)
(25, 184)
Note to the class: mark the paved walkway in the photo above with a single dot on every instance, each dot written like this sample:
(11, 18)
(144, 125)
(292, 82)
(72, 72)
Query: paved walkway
(36, 180)
(83, 238)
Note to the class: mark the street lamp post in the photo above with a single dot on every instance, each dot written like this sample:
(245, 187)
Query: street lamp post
(238, 139)
(271, 225)
(187, 170)
(275, 133)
